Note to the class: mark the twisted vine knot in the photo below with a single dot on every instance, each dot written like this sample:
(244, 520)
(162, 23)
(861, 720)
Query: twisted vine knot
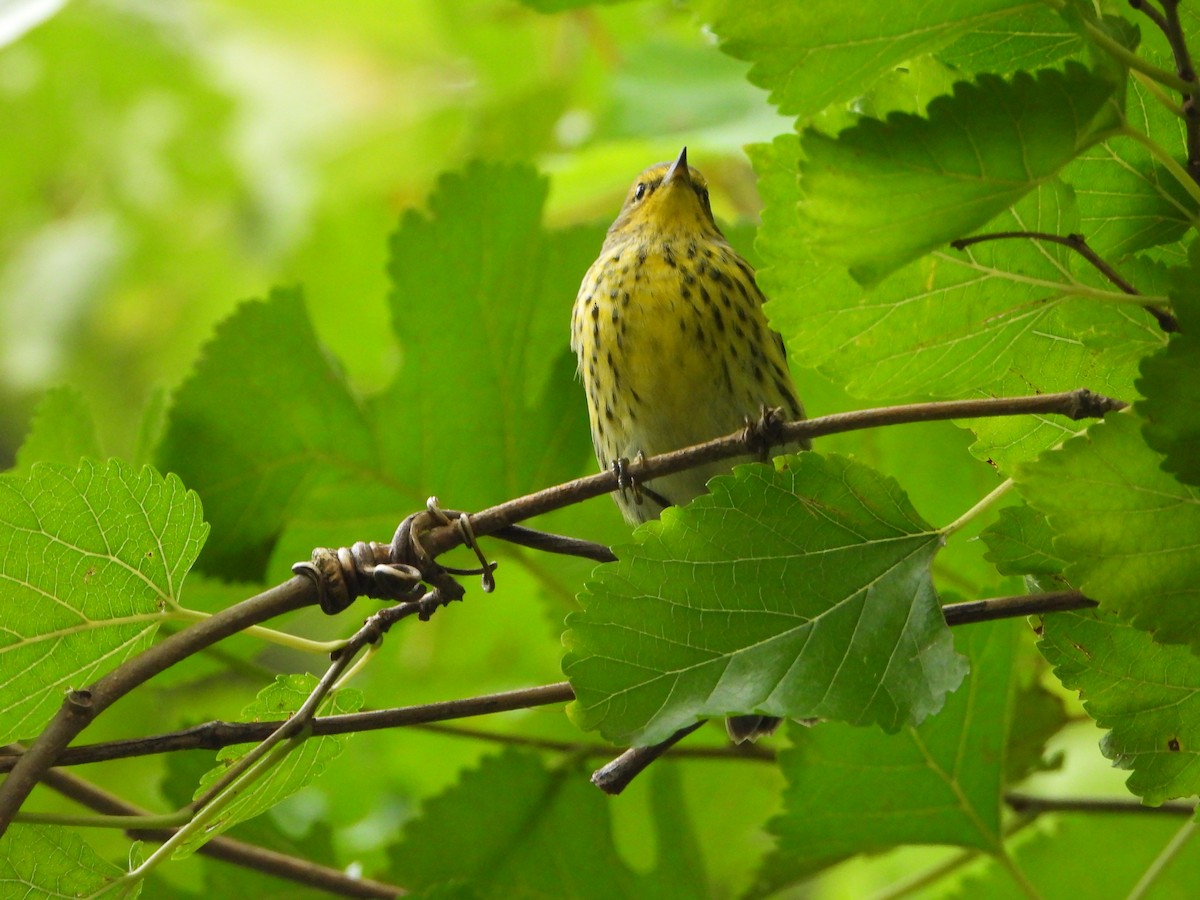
(396, 571)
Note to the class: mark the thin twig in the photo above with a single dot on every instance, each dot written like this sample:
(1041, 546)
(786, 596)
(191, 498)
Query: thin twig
(291, 868)
(728, 751)
(1077, 242)
(614, 777)
(1168, 23)
(1036, 806)
(215, 735)
(972, 611)
(80, 707)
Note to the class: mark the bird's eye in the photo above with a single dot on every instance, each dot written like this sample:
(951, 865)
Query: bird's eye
(704, 195)
(639, 192)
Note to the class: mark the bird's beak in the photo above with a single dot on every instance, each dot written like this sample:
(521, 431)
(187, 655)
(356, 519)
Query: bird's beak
(679, 170)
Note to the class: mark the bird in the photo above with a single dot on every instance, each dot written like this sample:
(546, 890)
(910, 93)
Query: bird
(673, 347)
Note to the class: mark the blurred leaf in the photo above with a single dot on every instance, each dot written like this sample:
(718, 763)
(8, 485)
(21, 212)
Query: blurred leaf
(547, 834)
(263, 418)
(810, 55)
(485, 406)
(90, 560)
(858, 790)
(486, 308)
(302, 765)
(1037, 715)
(49, 861)
(62, 431)
(800, 592)
(1075, 856)
(1170, 381)
(1145, 693)
(1126, 529)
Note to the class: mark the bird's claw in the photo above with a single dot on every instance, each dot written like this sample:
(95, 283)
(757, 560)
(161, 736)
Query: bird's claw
(766, 432)
(626, 481)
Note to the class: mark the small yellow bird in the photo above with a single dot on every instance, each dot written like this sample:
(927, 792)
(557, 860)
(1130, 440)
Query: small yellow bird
(673, 346)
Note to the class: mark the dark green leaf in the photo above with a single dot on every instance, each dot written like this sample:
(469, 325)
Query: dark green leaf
(1170, 381)
(802, 591)
(1126, 529)
(858, 790)
(547, 833)
(264, 417)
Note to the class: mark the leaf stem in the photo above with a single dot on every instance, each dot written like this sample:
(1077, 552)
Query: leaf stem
(1164, 859)
(271, 635)
(999, 491)
(1127, 57)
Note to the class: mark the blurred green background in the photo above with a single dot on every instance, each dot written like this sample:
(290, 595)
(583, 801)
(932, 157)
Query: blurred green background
(162, 161)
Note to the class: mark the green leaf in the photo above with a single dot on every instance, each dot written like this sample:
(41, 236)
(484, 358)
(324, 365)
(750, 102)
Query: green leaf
(300, 767)
(500, 381)
(1145, 693)
(936, 783)
(1126, 529)
(89, 561)
(809, 55)
(62, 431)
(42, 861)
(1170, 381)
(1021, 542)
(802, 591)
(884, 193)
(547, 833)
(264, 416)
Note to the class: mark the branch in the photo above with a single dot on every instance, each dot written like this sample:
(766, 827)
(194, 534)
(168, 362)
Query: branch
(300, 871)
(80, 707)
(1166, 320)
(1168, 23)
(1078, 404)
(728, 751)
